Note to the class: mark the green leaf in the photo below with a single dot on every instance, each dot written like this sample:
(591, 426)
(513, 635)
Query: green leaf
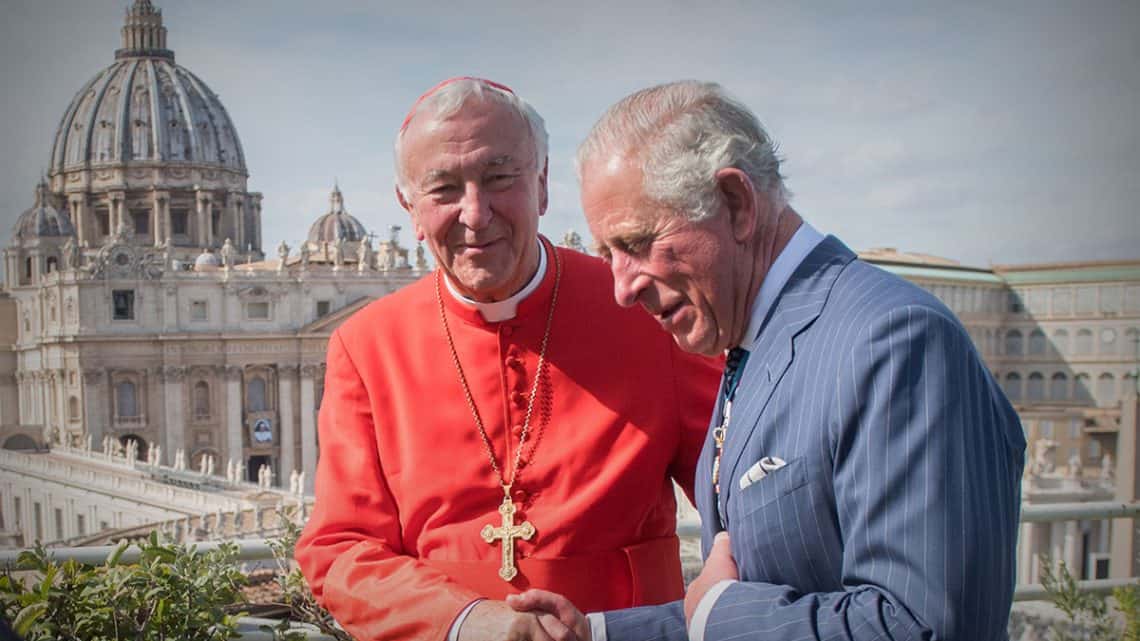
(27, 617)
(117, 553)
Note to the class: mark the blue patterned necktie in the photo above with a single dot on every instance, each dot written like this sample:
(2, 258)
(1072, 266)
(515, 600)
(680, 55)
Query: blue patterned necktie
(733, 367)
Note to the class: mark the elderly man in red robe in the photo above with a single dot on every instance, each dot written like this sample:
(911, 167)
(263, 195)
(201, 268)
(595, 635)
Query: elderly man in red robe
(500, 424)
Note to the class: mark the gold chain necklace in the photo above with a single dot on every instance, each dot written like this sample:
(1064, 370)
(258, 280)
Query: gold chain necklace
(508, 531)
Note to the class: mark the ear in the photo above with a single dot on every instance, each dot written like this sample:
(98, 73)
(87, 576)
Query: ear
(411, 212)
(745, 207)
(543, 191)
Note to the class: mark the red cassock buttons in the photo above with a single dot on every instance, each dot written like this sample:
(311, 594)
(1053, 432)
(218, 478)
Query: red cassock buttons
(518, 399)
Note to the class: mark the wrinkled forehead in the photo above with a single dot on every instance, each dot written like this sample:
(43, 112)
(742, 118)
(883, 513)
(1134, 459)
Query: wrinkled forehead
(479, 129)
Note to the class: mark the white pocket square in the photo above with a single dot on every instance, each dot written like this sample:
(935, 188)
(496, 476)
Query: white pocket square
(762, 468)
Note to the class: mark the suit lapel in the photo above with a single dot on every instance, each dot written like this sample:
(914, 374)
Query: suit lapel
(796, 308)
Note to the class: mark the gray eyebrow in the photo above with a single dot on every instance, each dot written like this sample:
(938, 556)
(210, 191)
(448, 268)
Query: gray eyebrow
(436, 174)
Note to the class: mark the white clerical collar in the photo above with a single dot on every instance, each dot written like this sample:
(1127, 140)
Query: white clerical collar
(802, 243)
(505, 309)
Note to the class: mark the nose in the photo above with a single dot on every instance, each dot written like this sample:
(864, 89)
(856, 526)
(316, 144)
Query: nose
(628, 282)
(475, 207)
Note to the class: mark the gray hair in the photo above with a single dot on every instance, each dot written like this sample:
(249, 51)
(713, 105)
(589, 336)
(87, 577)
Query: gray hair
(446, 101)
(682, 133)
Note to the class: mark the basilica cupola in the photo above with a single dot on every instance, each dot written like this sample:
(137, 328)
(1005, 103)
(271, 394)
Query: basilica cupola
(147, 149)
(146, 108)
(43, 219)
(337, 224)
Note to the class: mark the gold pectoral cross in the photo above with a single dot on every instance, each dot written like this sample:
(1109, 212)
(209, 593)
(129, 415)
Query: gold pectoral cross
(508, 533)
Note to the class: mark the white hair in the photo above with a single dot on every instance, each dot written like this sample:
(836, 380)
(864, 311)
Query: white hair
(682, 133)
(450, 98)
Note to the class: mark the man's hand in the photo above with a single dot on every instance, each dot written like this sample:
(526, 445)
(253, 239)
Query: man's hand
(495, 621)
(719, 566)
(548, 604)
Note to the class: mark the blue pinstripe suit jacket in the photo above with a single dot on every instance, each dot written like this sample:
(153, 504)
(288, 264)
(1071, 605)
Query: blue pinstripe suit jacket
(896, 515)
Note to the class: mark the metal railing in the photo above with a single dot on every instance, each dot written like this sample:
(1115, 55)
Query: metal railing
(259, 550)
(1097, 510)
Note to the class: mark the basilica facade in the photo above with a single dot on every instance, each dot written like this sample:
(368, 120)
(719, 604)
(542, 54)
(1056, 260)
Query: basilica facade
(145, 307)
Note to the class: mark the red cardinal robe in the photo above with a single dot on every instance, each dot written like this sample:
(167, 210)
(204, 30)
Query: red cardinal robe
(404, 484)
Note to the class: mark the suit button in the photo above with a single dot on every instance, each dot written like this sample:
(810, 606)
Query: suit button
(518, 399)
(517, 430)
(518, 494)
(514, 362)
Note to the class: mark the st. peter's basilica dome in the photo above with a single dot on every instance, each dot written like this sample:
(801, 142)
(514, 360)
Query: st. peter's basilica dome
(146, 108)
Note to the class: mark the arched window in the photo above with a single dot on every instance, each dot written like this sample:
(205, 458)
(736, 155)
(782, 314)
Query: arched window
(1106, 389)
(1035, 388)
(1131, 344)
(52, 264)
(1082, 388)
(1013, 343)
(1084, 342)
(201, 399)
(255, 393)
(1013, 386)
(1061, 341)
(126, 399)
(73, 408)
(1037, 343)
(1059, 387)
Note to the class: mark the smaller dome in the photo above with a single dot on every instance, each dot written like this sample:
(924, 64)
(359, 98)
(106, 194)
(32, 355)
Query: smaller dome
(206, 260)
(43, 219)
(337, 224)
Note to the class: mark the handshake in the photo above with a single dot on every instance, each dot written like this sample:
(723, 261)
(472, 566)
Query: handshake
(539, 615)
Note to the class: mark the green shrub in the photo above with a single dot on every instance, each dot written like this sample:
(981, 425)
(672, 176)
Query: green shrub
(295, 590)
(1088, 613)
(170, 593)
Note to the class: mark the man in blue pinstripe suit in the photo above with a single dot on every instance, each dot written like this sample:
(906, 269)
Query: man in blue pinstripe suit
(862, 461)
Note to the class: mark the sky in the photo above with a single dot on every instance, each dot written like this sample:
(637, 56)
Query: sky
(989, 133)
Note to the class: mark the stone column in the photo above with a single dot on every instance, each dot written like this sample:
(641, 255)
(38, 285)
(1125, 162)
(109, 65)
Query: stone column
(1125, 538)
(234, 426)
(174, 429)
(118, 210)
(286, 435)
(233, 210)
(1027, 554)
(205, 235)
(1072, 548)
(79, 209)
(255, 235)
(160, 216)
(95, 395)
(309, 374)
(59, 395)
(21, 398)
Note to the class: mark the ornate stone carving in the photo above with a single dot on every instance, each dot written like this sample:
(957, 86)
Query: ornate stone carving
(310, 370)
(173, 374)
(233, 372)
(288, 369)
(364, 255)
